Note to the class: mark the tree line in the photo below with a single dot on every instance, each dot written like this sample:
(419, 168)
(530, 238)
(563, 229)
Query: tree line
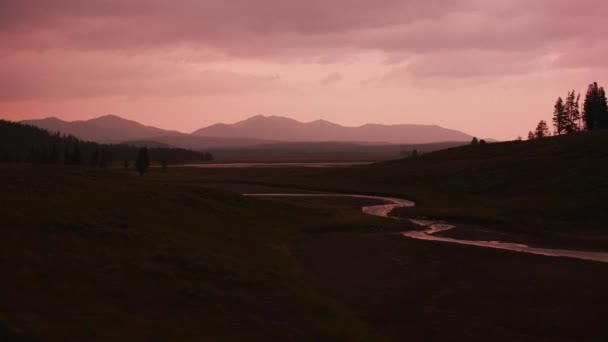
(26, 143)
(568, 117)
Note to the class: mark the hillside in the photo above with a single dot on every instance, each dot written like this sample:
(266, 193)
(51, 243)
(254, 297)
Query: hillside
(285, 129)
(24, 143)
(553, 184)
(557, 183)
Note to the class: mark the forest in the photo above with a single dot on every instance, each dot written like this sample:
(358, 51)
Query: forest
(25, 143)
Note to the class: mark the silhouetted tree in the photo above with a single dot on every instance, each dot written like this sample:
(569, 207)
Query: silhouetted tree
(560, 117)
(77, 155)
(531, 136)
(33, 156)
(142, 163)
(482, 142)
(572, 112)
(103, 159)
(94, 162)
(67, 157)
(595, 108)
(542, 130)
(54, 155)
(474, 141)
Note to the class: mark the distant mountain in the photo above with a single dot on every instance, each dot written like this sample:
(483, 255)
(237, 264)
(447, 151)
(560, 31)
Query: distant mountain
(255, 131)
(285, 129)
(114, 129)
(108, 128)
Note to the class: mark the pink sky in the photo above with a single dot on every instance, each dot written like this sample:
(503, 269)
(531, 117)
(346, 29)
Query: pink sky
(489, 68)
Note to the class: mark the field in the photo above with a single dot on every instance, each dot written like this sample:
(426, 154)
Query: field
(179, 255)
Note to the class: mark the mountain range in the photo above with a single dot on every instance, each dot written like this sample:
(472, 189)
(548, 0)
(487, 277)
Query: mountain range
(257, 130)
(285, 129)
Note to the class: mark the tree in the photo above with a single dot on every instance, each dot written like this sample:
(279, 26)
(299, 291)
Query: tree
(482, 142)
(76, 155)
(560, 117)
(54, 155)
(531, 136)
(94, 162)
(142, 163)
(67, 157)
(542, 130)
(103, 159)
(595, 108)
(573, 113)
(474, 141)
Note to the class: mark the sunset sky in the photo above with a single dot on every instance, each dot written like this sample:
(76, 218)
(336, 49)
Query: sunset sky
(489, 68)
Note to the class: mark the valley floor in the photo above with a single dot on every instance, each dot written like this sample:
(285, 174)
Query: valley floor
(180, 255)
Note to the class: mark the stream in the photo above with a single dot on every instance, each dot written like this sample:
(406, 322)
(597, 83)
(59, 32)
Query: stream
(434, 227)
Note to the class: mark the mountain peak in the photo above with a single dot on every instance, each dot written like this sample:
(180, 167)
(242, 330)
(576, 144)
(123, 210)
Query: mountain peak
(109, 118)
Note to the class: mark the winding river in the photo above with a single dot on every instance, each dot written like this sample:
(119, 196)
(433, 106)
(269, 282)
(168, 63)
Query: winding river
(434, 227)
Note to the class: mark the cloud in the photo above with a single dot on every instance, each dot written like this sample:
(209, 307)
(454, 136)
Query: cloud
(88, 74)
(332, 78)
(314, 31)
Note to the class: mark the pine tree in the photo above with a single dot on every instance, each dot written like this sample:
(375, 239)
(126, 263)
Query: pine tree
(143, 161)
(602, 109)
(560, 117)
(572, 112)
(474, 141)
(67, 157)
(54, 156)
(103, 159)
(531, 136)
(595, 108)
(542, 130)
(77, 155)
(94, 162)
